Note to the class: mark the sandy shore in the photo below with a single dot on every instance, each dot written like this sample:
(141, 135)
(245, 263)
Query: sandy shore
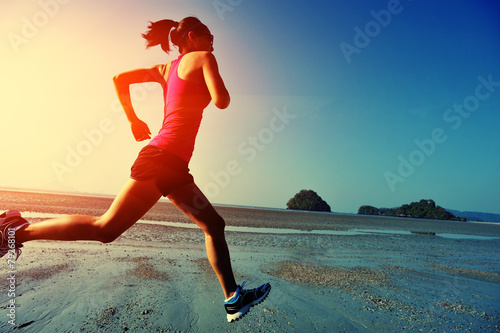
(156, 278)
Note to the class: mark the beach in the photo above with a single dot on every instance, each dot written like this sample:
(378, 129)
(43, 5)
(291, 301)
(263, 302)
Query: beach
(329, 273)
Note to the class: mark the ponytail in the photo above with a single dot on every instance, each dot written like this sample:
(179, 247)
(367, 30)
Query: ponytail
(158, 34)
(161, 33)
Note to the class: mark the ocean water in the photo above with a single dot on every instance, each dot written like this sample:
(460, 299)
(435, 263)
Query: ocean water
(39, 205)
(286, 231)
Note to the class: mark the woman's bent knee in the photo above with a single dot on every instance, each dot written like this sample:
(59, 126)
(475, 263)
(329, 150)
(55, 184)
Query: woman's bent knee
(107, 238)
(103, 232)
(214, 227)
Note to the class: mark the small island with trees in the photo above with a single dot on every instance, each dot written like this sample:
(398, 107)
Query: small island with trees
(424, 209)
(308, 200)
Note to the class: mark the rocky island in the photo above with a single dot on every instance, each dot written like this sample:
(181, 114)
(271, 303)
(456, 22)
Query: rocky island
(308, 200)
(425, 209)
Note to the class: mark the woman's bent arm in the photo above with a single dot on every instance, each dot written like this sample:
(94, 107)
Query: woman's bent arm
(122, 84)
(215, 84)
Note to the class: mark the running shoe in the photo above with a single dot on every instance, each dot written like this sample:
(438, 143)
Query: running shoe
(10, 222)
(238, 305)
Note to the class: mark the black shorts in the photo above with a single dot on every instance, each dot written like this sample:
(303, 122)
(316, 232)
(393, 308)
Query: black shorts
(169, 170)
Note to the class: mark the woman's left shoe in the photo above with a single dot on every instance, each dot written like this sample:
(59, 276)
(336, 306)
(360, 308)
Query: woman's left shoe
(244, 299)
(10, 222)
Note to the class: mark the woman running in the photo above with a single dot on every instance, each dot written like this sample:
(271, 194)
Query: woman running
(189, 84)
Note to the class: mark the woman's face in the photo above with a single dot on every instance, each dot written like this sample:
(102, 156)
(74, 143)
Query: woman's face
(204, 40)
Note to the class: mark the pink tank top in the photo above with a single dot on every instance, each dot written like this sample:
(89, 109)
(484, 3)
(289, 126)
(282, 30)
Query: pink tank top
(184, 105)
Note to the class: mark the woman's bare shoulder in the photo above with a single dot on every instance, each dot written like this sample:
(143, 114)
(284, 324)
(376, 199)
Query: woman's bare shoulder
(200, 56)
(163, 68)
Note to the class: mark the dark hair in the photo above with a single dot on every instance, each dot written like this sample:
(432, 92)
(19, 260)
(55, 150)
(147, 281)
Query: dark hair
(161, 33)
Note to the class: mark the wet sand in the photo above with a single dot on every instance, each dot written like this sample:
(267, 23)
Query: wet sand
(156, 278)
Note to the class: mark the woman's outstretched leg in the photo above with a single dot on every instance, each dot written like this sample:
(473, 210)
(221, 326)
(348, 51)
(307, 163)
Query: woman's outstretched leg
(133, 201)
(194, 204)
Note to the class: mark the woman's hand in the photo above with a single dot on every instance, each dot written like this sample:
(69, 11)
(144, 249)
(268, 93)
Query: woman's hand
(140, 130)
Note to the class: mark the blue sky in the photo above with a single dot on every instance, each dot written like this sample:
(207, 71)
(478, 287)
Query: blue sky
(379, 103)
